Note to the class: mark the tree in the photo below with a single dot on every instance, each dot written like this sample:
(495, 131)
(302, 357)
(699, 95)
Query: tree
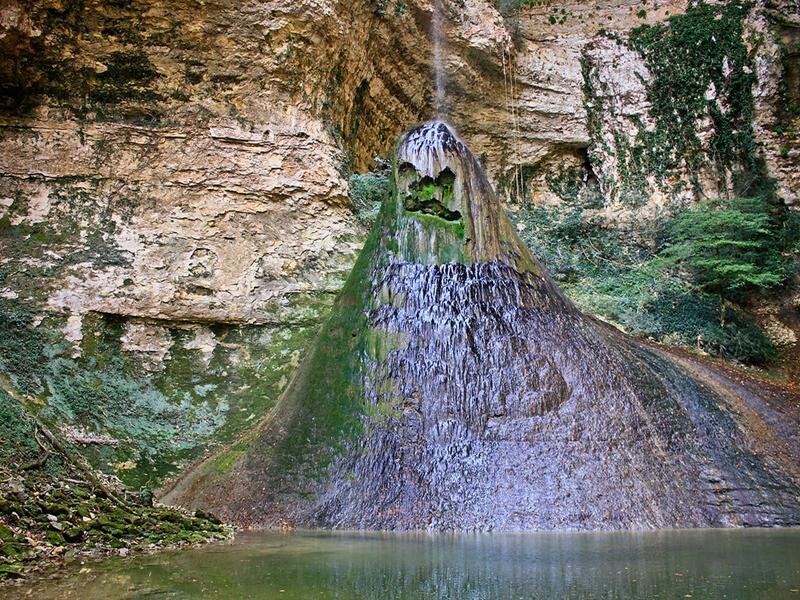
(726, 247)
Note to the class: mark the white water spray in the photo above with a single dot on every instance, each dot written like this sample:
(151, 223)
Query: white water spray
(438, 41)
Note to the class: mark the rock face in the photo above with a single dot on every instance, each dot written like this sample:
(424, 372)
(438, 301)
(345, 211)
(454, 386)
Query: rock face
(180, 135)
(173, 177)
(690, 110)
(454, 387)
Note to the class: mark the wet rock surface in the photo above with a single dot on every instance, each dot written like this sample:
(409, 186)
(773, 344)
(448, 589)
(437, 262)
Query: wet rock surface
(178, 167)
(456, 388)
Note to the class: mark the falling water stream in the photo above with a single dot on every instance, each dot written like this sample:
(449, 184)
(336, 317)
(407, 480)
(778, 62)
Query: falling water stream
(438, 42)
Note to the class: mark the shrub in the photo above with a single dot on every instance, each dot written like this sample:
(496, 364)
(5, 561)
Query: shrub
(631, 275)
(368, 190)
(727, 246)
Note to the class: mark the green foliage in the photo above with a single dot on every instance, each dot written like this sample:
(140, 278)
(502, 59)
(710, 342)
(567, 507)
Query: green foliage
(569, 184)
(630, 273)
(384, 8)
(368, 190)
(645, 301)
(727, 246)
(789, 232)
(701, 71)
(699, 51)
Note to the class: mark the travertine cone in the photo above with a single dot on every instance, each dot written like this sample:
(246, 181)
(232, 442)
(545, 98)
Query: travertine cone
(433, 153)
(454, 387)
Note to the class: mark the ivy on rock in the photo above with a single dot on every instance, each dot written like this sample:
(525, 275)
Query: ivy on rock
(700, 70)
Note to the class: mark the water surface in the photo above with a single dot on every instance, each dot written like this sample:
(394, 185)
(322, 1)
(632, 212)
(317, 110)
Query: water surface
(736, 564)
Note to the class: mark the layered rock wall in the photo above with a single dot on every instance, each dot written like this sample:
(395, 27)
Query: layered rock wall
(173, 176)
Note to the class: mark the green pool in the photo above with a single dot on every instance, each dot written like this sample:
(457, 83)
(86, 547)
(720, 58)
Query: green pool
(735, 564)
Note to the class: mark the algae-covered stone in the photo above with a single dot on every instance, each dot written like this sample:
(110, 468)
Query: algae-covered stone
(10, 570)
(57, 506)
(73, 535)
(6, 535)
(55, 538)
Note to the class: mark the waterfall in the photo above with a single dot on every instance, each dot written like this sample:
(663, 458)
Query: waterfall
(455, 388)
(438, 42)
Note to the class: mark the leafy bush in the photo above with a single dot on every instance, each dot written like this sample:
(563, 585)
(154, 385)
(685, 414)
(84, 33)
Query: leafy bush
(701, 70)
(697, 51)
(632, 275)
(368, 190)
(727, 246)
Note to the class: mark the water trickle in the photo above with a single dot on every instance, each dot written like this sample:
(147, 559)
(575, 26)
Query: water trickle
(455, 387)
(438, 40)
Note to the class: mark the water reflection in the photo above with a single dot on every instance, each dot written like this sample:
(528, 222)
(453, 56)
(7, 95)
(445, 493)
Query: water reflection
(674, 564)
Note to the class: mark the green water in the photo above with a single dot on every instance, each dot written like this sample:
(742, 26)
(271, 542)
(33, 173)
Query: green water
(673, 564)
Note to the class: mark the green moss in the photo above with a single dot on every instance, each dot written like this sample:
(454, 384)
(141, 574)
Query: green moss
(383, 412)
(169, 418)
(225, 461)
(22, 347)
(46, 501)
(161, 420)
(454, 227)
(427, 229)
(326, 395)
(18, 444)
(431, 197)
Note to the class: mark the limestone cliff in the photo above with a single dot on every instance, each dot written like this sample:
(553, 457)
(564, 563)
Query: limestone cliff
(174, 218)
